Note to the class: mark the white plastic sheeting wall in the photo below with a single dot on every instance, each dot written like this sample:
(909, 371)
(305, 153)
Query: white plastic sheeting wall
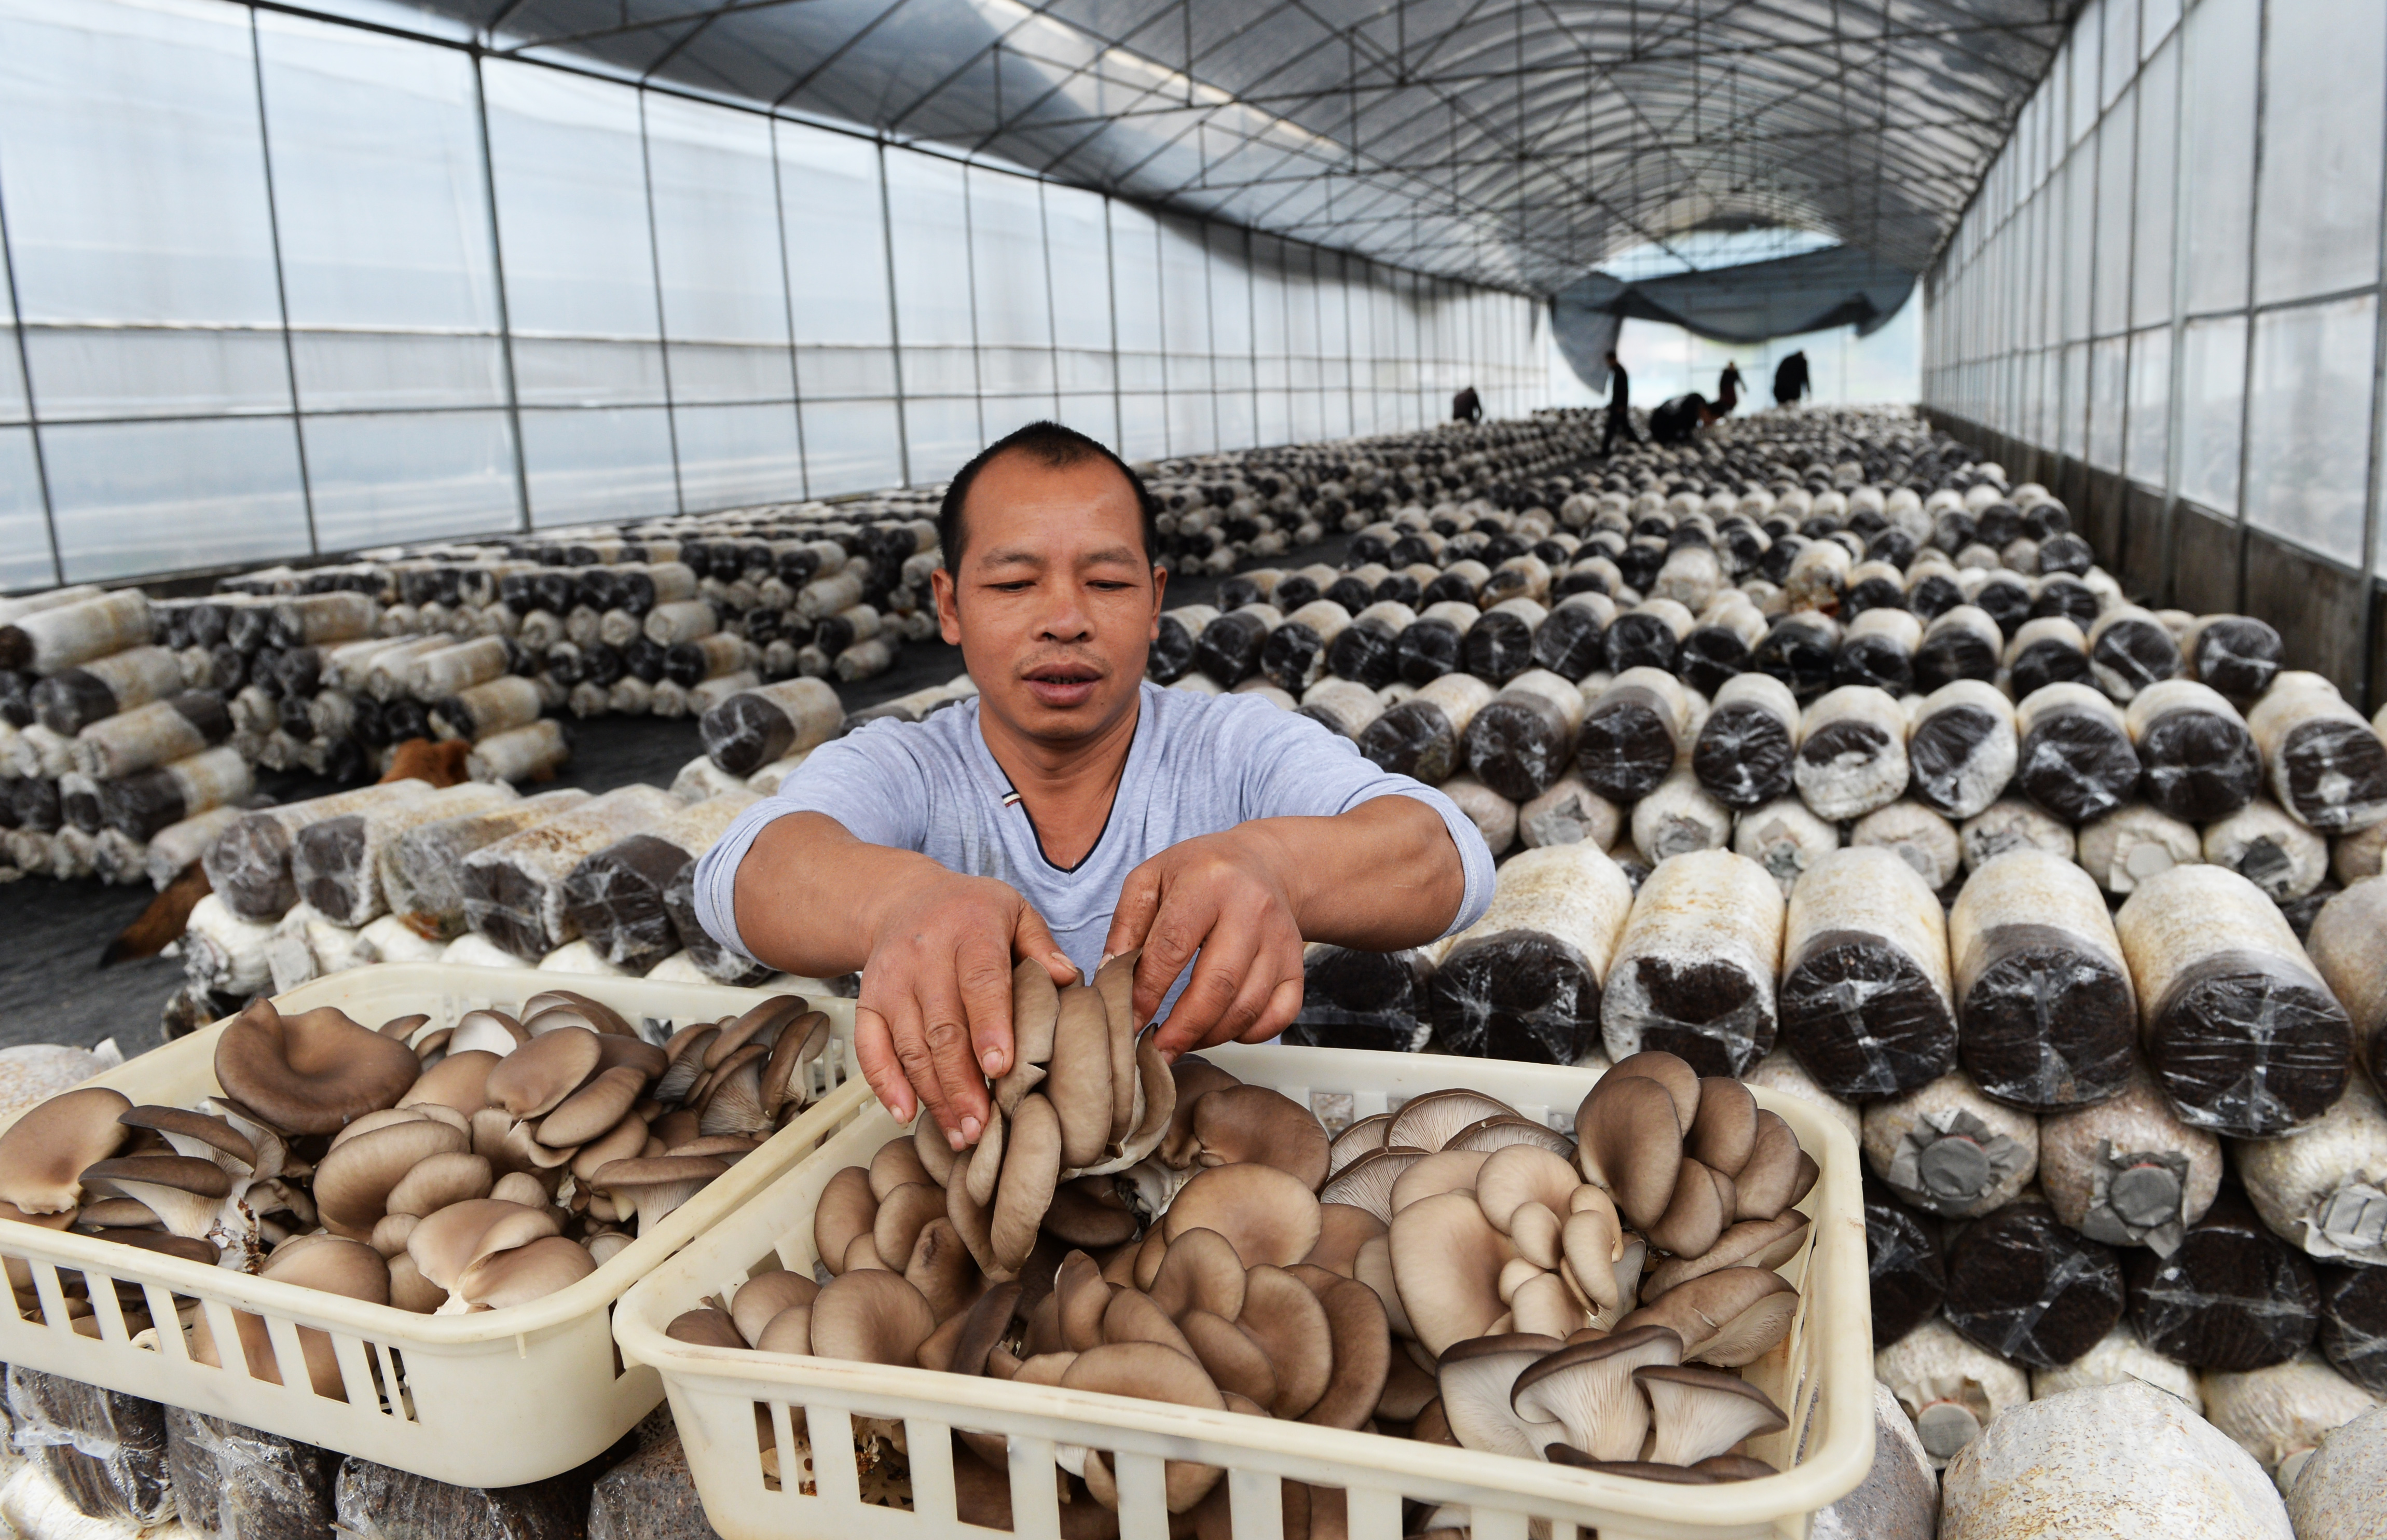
(283, 285)
(2173, 271)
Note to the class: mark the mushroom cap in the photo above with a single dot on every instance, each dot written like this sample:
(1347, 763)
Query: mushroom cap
(987, 1321)
(1151, 1372)
(1593, 1245)
(1078, 1082)
(1268, 1215)
(895, 1228)
(355, 1178)
(871, 1315)
(333, 1263)
(1035, 1007)
(1629, 1141)
(1132, 1317)
(896, 1163)
(622, 1142)
(1443, 1171)
(1199, 1271)
(437, 1181)
(1515, 1175)
(787, 1074)
(1360, 1138)
(762, 1023)
(1694, 1216)
(517, 1275)
(1725, 1132)
(198, 1134)
(653, 1186)
(1639, 1470)
(1703, 1412)
(487, 1031)
(1778, 1172)
(1361, 1339)
(1729, 1316)
(312, 1072)
(550, 1009)
(1034, 1149)
(1255, 1123)
(1343, 1229)
(44, 1153)
(789, 1332)
(1588, 1389)
(183, 1190)
(1428, 1122)
(1447, 1260)
(942, 1270)
(1367, 1181)
(1196, 1078)
(1674, 1073)
(1290, 1324)
(1500, 1132)
(460, 1081)
(1080, 1299)
(536, 1077)
(1475, 1377)
(765, 1295)
(704, 1327)
(594, 1108)
(445, 1244)
(843, 1210)
(1231, 1356)
(1752, 1242)
(1114, 984)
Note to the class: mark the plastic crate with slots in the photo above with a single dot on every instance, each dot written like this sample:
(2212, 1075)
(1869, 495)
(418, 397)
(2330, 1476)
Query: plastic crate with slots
(739, 1413)
(494, 1399)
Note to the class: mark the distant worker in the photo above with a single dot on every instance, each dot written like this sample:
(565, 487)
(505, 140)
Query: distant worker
(1727, 390)
(1790, 382)
(1673, 421)
(1467, 407)
(1620, 406)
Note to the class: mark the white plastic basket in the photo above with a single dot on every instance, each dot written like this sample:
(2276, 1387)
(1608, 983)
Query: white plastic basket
(495, 1398)
(1822, 1375)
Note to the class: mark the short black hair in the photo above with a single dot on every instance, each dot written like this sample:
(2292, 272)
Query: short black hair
(1050, 444)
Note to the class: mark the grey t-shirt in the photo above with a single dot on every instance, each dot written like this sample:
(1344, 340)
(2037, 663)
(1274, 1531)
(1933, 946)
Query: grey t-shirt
(1198, 764)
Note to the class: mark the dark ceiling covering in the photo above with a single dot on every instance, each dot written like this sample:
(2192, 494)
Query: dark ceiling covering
(1518, 142)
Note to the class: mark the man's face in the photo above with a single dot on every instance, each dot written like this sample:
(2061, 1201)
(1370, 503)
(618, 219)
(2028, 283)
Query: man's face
(1055, 606)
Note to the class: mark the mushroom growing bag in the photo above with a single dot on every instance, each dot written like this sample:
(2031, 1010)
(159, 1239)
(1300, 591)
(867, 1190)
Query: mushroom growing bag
(514, 890)
(1523, 983)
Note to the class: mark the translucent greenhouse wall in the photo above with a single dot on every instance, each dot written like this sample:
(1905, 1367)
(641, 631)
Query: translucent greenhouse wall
(280, 285)
(2165, 303)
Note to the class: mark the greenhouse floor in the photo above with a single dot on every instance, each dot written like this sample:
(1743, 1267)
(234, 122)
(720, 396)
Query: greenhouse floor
(52, 989)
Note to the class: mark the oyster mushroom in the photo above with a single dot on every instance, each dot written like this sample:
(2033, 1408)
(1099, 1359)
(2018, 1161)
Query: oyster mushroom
(44, 1153)
(1589, 1391)
(1701, 1413)
(312, 1072)
(1475, 1380)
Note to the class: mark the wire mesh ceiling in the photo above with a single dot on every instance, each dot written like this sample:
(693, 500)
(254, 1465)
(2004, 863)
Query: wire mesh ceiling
(1517, 143)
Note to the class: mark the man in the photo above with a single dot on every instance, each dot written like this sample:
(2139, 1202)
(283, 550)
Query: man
(1790, 380)
(1467, 405)
(1727, 394)
(1620, 406)
(1073, 812)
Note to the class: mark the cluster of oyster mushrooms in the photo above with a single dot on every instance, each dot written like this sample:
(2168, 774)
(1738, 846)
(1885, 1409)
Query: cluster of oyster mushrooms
(437, 1169)
(1454, 1271)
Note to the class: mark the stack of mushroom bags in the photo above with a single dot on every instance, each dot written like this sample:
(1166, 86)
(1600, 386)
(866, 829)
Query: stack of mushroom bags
(1452, 1272)
(437, 1168)
(108, 737)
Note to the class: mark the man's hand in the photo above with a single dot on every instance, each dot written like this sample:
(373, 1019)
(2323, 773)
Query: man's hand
(935, 1012)
(1384, 876)
(1227, 897)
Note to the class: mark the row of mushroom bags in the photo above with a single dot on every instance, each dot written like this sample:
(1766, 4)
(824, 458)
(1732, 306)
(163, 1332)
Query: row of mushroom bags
(122, 716)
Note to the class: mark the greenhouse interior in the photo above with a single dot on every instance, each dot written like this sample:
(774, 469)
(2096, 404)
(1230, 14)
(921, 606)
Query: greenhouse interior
(1279, 769)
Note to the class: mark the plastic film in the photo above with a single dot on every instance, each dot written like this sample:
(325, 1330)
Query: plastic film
(421, 867)
(2236, 655)
(1863, 1001)
(2325, 1190)
(1784, 838)
(70, 700)
(752, 729)
(2231, 1297)
(713, 960)
(534, 752)
(106, 1450)
(2128, 651)
(1524, 981)
(1947, 1148)
(1743, 752)
(1569, 812)
(336, 862)
(1694, 970)
(1962, 750)
(249, 866)
(1963, 643)
(2128, 1171)
(1522, 740)
(615, 898)
(1851, 753)
(1367, 1000)
(1633, 734)
(1918, 836)
(374, 1502)
(514, 889)
(2026, 1288)
(2353, 1332)
(48, 641)
(1905, 1262)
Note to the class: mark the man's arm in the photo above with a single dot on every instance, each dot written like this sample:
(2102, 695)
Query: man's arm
(1383, 875)
(934, 949)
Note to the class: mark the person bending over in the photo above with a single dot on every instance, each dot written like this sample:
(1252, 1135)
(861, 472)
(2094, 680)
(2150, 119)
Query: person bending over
(1620, 407)
(1073, 812)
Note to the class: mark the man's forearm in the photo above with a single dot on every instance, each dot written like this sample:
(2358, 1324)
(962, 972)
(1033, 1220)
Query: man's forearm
(1384, 874)
(810, 896)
